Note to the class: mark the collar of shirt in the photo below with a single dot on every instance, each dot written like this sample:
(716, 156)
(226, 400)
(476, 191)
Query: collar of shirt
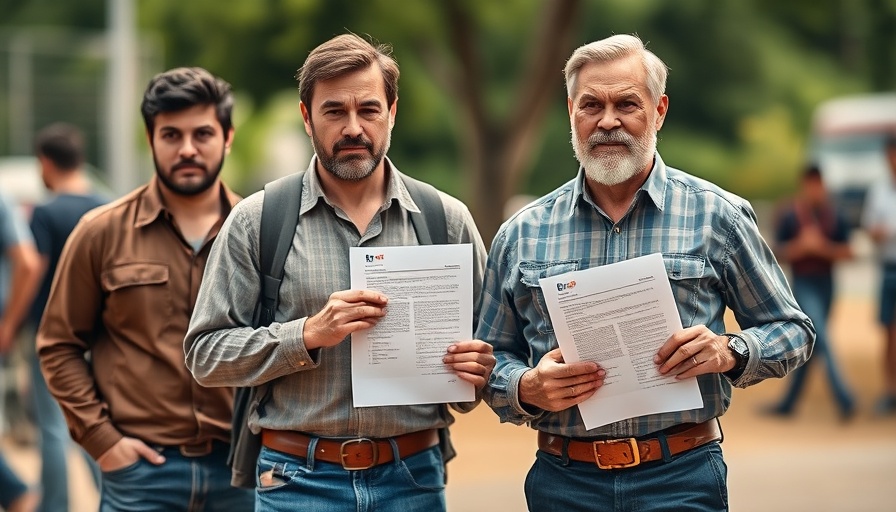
(654, 187)
(312, 191)
(151, 204)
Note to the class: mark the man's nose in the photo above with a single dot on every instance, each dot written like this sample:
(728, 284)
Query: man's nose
(187, 149)
(609, 120)
(352, 126)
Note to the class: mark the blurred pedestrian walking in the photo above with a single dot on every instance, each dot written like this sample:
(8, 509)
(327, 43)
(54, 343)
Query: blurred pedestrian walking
(812, 235)
(19, 261)
(61, 153)
(879, 218)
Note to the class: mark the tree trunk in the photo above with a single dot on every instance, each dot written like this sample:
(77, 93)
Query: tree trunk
(498, 152)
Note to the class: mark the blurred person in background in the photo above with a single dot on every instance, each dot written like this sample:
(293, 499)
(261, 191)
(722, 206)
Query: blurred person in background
(812, 234)
(879, 219)
(20, 272)
(60, 151)
(625, 202)
(124, 290)
(14, 493)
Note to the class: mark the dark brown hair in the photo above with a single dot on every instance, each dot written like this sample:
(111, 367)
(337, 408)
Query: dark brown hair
(344, 54)
(182, 88)
(62, 144)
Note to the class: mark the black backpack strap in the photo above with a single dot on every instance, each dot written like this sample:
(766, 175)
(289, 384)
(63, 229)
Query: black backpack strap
(429, 223)
(279, 216)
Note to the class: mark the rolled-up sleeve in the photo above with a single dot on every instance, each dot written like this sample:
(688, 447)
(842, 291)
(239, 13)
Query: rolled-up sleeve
(780, 336)
(221, 346)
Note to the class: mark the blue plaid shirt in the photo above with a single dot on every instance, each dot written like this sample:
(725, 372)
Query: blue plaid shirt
(715, 258)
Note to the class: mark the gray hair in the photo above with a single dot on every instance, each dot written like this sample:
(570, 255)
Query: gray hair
(615, 48)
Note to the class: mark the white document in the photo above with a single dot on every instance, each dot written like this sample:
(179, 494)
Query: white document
(618, 316)
(430, 291)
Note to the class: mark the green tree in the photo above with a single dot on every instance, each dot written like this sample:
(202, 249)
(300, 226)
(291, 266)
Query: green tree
(482, 109)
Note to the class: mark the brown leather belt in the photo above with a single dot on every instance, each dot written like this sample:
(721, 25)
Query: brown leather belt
(197, 449)
(629, 452)
(352, 454)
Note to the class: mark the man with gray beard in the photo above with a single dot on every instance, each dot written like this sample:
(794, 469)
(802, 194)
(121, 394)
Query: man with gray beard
(319, 451)
(624, 203)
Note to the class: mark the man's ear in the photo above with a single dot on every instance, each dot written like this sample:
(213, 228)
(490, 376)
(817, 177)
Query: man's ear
(661, 108)
(228, 141)
(306, 117)
(393, 110)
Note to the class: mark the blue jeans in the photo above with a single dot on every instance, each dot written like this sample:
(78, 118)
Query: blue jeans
(54, 442)
(179, 484)
(691, 481)
(887, 296)
(815, 296)
(413, 483)
(11, 486)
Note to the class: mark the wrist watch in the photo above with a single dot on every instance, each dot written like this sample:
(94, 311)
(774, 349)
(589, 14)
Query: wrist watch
(741, 353)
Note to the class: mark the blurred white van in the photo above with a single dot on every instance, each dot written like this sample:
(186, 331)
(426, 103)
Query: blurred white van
(847, 144)
(20, 179)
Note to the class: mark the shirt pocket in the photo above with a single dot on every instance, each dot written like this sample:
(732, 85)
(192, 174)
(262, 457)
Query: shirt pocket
(685, 273)
(138, 297)
(530, 273)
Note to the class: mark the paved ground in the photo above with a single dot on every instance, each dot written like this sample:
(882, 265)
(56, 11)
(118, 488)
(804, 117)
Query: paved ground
(811, 462)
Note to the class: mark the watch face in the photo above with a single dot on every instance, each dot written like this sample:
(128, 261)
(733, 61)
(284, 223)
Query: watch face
(738, 345)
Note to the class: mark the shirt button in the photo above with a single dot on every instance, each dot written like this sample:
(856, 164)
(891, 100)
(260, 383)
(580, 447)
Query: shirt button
(617, 230)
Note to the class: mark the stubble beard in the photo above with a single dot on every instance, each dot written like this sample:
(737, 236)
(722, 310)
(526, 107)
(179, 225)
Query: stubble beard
(351, 167)
(190, 189)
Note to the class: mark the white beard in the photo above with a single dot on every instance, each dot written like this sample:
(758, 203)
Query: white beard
(614, 167)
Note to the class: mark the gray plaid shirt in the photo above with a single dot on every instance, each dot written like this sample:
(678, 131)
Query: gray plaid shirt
(308, 394)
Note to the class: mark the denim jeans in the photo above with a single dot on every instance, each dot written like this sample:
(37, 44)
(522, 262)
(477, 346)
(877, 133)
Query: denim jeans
(179, 484)
(54, 443)
(691, 481)
(815, 296)
(887, 296)
(410, 484)
(11, 486)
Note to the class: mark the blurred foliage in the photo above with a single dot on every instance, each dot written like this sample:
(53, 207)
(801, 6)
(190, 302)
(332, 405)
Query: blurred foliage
(745, 74)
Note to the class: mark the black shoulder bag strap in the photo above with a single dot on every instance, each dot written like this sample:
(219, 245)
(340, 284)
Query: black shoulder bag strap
(282, 201)
(279, 217)
(429, 223)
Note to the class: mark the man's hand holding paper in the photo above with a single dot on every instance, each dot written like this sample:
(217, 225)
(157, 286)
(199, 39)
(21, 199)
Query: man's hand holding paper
(694, 351)
(345, 312)
(471, 360)
(621, 316)
(555, 385)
